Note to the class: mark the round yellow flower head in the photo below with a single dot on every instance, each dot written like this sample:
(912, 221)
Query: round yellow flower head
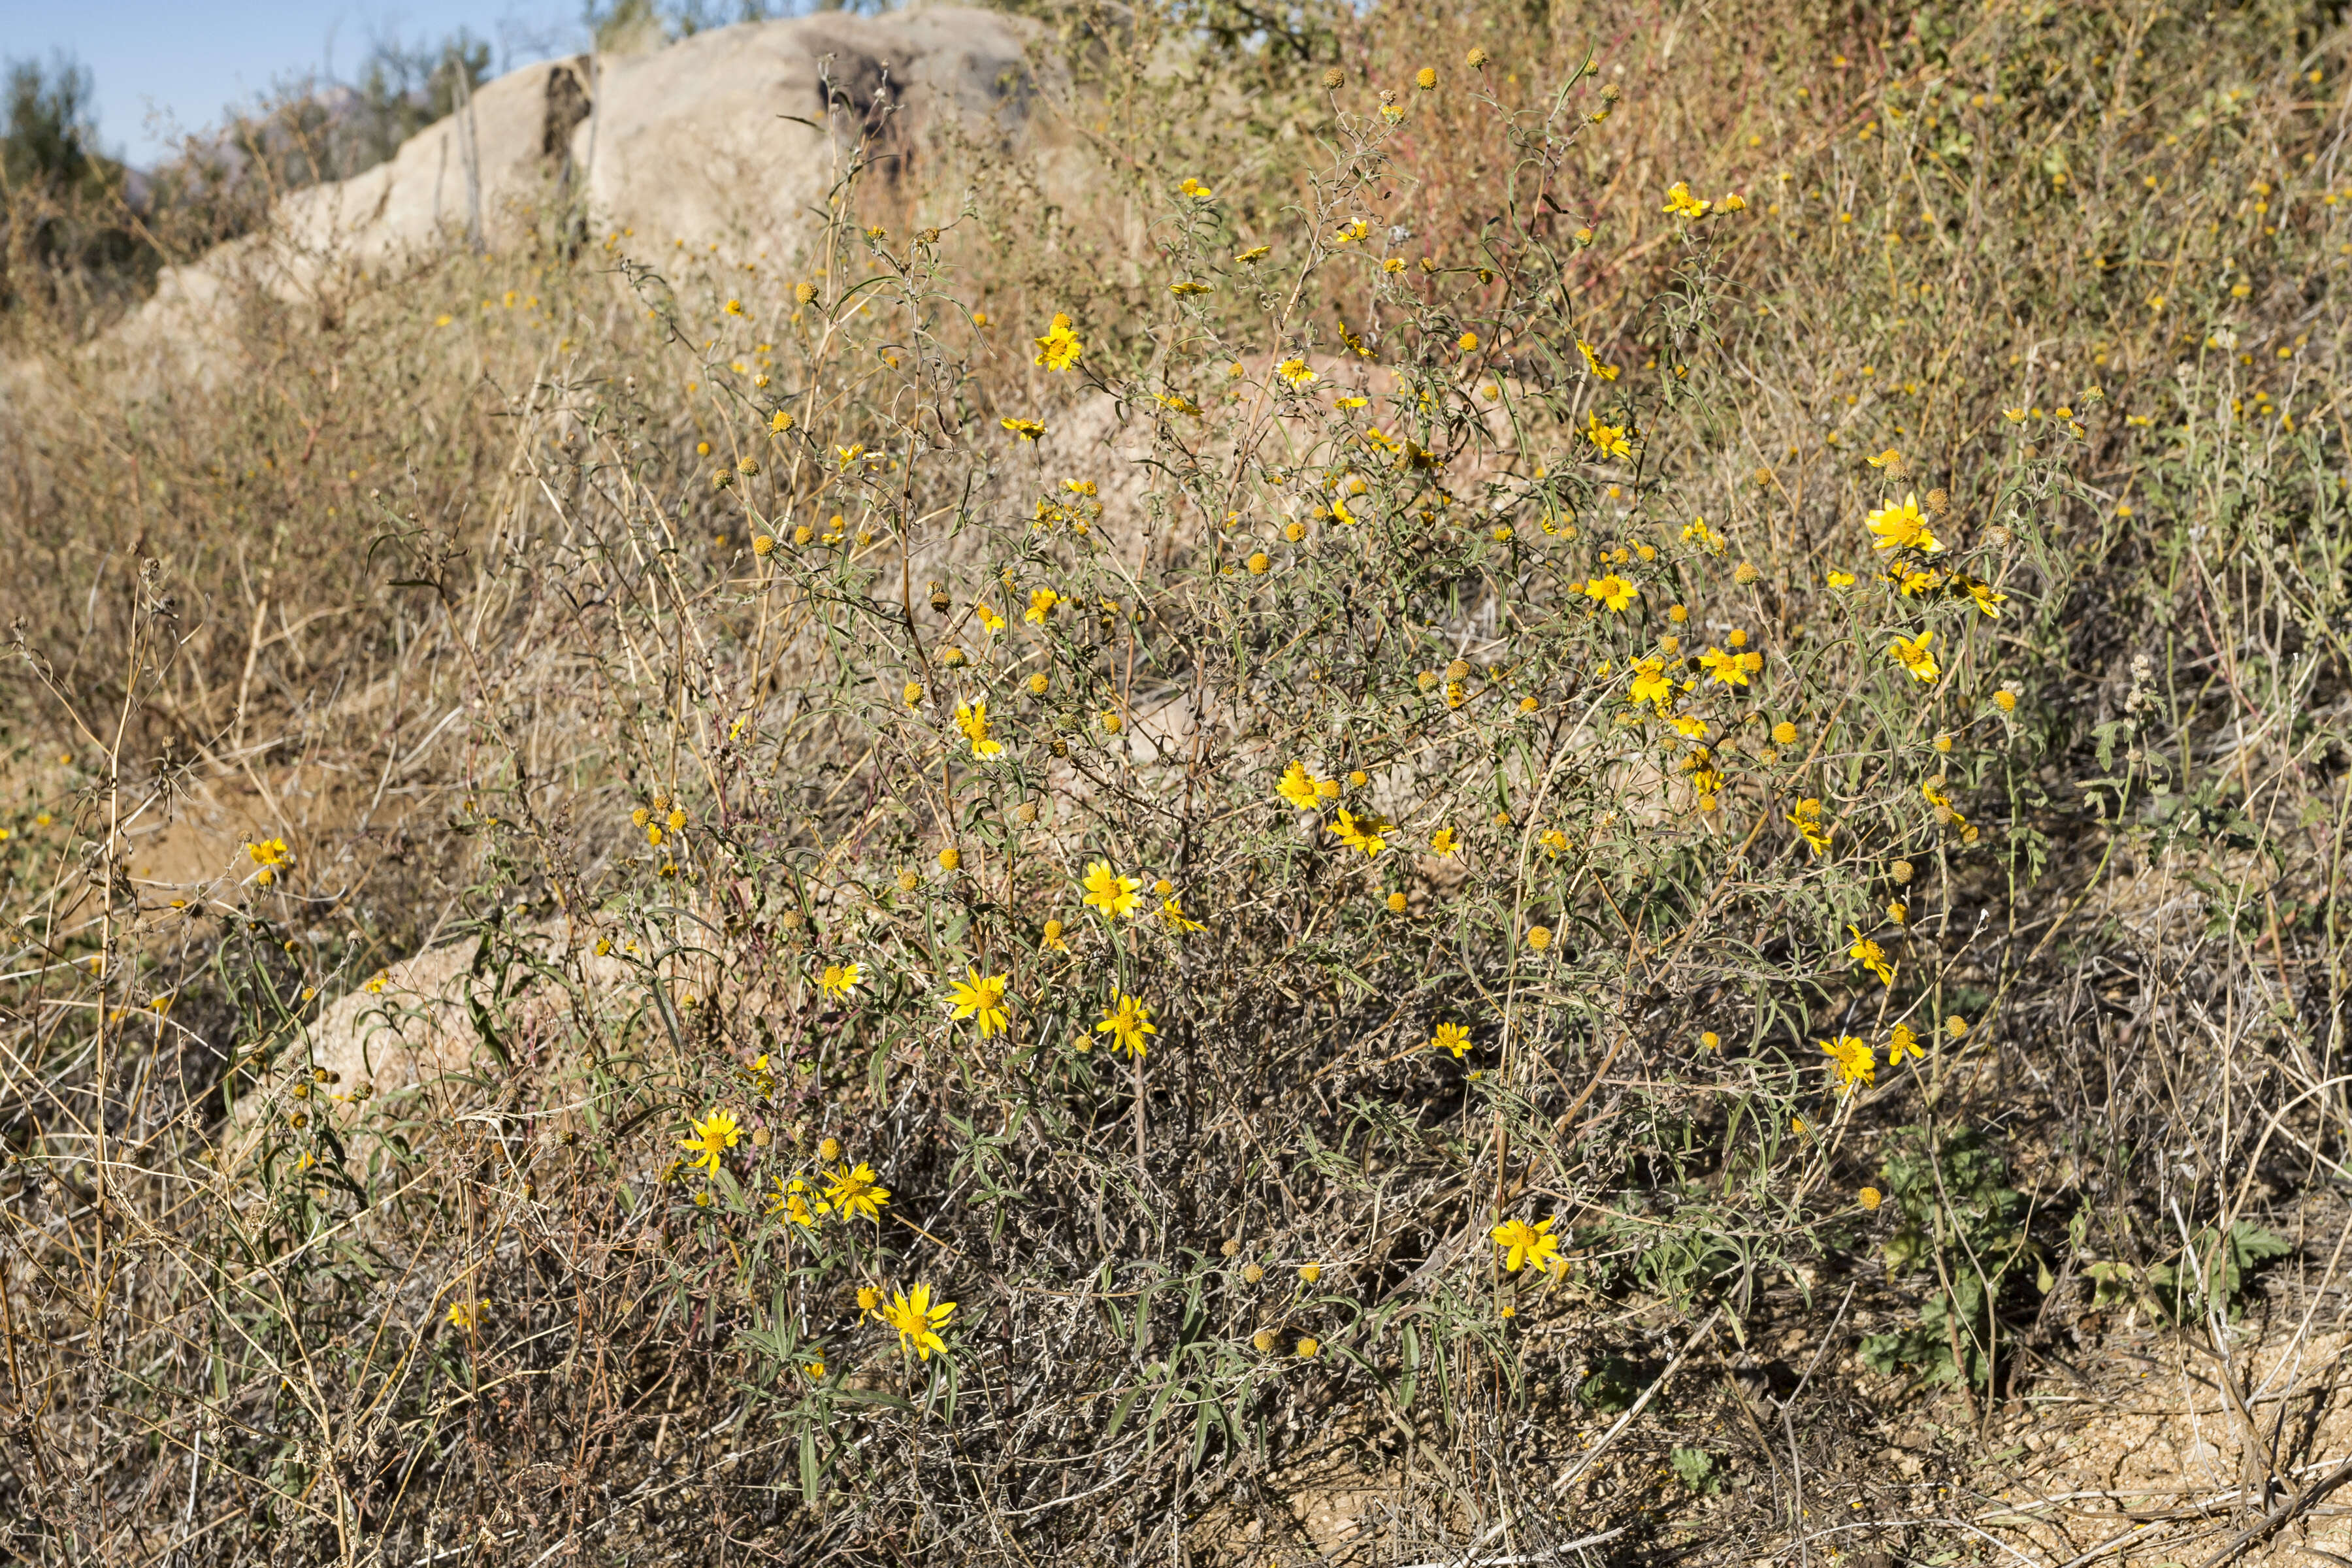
(1710, 1040)
(1784, 734)
(1309, 1348)
(1869, 1197)
(1540, 937)
(1425, 78)
(1263, 1341)
(951, 858)
(1258, 563)
(908, 881)
(1310, 1272)
(1396, 903)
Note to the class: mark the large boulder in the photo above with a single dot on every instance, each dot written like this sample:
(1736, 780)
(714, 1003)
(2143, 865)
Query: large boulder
(733, 137)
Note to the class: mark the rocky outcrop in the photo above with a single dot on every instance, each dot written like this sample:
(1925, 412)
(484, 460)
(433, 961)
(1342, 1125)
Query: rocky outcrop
(733, 137)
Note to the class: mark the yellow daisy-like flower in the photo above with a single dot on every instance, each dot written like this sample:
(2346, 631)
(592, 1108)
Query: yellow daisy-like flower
(1442, 842)
(917, 1320)
(973, 720)
(713, 1136)
(1126, 1023)
(1059, 349)
(1914, 654)
(1366, 831)
(840, 979)
(1298, 786)
(1724, 669)
(1524, 1244)
(1900, 525)
(981, 998)
(1680, 202)
(1651, 683)
(1806, 815)
(1853, 1061)
(1888, 458)
(1041, 605)
(1985, 598)
(1608, 439)
(1109, 891)
(1051, 940)
(1295, 370)
(1903, 1043)
(854, 1190)
(1172, 911)
(1871, 956)
(1592, 361)
(1451, 1038)
(1027, 429)
(1613, 591)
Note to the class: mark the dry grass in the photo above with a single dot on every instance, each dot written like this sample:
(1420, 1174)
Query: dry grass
(462, 612)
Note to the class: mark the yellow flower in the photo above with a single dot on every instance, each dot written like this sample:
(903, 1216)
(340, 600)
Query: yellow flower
(464, 1316)
(1365, 832)
(1913, 653)
(840, 979)
(1853, 1061)
(713, 1136)
(1901, 526)
(1442, 842)
(2015, 416)
(1680, 201)
(1041, 605)
(981, 998)
(1109, 891)
(1902, 1044)
(1724, 669)
(1172, 911)
(1059, 348)
(1027, 429)
(1871, 956)
(1127, 1022)
(1806, 815)
(1986, 599)
(1251, 257)
(1467, 342)
(1451, 1038)
(1524, 1244)
(1295, 370)
(1298, 786)
(917, 1320)
(1592, 361)
(1703, 536)
(973, 720)
(1609, 438)
(269, 855)
(1841, 580)
(780, 423)
(1613, 591)
(988, 617)
(1870, 1197)
(854, 1191)
(1889, 458)
(1651, 683)
(1196, 189)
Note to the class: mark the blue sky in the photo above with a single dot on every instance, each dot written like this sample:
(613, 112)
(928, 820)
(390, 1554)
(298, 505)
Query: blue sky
(188, 59)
